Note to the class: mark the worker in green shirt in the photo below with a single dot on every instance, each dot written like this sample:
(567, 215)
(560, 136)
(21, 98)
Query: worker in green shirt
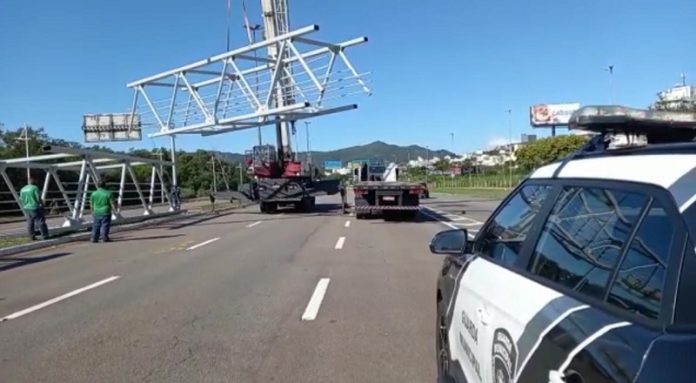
(33, 208)
(102, 206)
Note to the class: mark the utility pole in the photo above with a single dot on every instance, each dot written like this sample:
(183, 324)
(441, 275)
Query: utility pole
(212, 158)
(161, 171)
(26, 150)
(241, 175)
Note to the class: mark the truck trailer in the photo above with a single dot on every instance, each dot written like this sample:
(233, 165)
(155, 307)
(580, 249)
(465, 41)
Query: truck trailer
(378, 191)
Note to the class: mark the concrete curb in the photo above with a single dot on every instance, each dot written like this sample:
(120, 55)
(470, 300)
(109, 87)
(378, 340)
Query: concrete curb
(138, 223)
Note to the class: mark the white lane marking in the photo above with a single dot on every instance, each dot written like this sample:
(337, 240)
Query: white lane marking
(314, 304)
(194, 247)
(589, 340)
(347, 224)
(340, 242)
(253, 224)
(451, 226)
(58, 299)
(546, 331)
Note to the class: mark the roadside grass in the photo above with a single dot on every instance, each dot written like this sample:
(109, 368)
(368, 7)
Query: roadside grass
(476, 192)
(13, 241)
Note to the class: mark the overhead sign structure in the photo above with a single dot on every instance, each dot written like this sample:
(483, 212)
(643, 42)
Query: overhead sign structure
(111, 127)
(333, 165)
(542, 115)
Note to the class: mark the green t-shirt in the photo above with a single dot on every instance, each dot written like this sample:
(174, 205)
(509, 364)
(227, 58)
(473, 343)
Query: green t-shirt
(101, 202)
(29, 196)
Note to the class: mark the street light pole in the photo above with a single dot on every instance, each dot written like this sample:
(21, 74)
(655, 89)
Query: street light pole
(510, 146)
(427, 162)
(610, 69)
(309, 156)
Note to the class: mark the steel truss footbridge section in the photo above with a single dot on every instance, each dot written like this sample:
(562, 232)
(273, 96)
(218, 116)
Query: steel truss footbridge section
(90, 165)
(251, 86)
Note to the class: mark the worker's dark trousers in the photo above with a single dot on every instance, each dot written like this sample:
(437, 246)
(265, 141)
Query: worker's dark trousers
(36, 217)
(101, 223)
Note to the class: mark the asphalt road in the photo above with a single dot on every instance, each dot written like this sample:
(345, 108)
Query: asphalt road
(221, 299)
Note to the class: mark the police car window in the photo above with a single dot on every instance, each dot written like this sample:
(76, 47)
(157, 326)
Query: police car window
(505, 234)
(685, 310)
(583, 237)
(640, 278)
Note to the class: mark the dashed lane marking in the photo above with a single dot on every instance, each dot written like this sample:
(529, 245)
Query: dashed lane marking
(347, 224)
(425, 211)
(314, 304)
(253, 224)
(58, 299)
(339, 244)
(194, 247)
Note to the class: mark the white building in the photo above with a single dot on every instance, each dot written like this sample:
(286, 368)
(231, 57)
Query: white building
(676, 97)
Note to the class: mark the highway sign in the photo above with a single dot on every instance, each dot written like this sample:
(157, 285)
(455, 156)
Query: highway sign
(111, 127)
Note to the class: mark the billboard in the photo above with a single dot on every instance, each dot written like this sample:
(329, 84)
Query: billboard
(111, 127)
(333, 165)
(551, 114)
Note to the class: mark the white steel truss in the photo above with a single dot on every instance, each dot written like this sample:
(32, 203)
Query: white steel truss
(239, 90)
(89, 164)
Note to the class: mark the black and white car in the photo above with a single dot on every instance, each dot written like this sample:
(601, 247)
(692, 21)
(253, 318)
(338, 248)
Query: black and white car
(587, 271)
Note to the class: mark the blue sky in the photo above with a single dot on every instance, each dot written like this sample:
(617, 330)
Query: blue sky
(437, 66)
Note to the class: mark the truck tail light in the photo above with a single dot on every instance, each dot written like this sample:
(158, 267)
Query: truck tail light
(415, 190)
(359, 191)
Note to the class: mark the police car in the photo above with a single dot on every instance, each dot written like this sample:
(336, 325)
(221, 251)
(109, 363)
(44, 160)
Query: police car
(587, 271)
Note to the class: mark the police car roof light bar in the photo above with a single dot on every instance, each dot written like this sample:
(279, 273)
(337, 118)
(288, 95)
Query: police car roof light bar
(619, 127)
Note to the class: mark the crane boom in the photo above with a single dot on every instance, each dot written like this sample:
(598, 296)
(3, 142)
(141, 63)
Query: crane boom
(275, 19)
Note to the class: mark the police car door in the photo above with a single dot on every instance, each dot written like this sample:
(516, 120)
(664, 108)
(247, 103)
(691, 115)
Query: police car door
(481, 344)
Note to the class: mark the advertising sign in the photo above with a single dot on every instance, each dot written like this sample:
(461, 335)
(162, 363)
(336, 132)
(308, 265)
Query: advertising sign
(111, 127)
(551, 114)
(332, 165)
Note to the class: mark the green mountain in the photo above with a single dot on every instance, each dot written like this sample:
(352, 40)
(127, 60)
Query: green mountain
(377, 150)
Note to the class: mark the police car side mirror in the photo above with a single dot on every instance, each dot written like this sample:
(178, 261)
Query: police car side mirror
(453, 242)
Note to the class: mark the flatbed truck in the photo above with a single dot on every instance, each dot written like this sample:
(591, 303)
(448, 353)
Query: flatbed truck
(383, 194)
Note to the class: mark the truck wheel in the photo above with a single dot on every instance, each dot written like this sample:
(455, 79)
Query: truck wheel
(360, 215)
(307, 204)
(272, 208)
(268, 207)
(409, 215)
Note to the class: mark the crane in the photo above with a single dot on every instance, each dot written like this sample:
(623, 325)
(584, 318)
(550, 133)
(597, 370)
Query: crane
(300, 78)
